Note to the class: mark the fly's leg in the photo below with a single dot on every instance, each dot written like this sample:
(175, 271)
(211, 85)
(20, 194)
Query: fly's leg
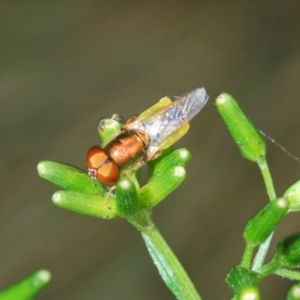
(131, 119)
(111, 189)
(154, 155)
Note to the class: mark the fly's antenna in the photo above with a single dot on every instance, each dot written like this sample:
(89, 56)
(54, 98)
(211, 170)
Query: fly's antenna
(296, 158)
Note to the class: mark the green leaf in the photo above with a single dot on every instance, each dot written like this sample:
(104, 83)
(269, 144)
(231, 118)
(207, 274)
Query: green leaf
(243, 282)
(288, 251)
(126, 198)
(28, 287)
(292, 194)
(168, 266)
(70, 178)
(244, 133)
(92, 205)
(265, 221)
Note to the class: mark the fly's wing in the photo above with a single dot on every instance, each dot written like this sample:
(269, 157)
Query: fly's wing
(161, 104)
(166, 125)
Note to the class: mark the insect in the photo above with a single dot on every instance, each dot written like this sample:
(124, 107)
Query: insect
(143, 138)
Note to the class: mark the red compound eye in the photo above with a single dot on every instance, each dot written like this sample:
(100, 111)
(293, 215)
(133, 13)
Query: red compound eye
(101, 166)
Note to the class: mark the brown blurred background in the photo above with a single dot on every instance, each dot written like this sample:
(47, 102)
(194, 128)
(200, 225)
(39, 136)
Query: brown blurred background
(66, 64)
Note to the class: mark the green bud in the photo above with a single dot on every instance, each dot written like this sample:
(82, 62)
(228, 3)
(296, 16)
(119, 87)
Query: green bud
(178, 157)
(92, 205)
(265, 221)
(244, 133)
(127, 198)
(166, 173)
(243, 282)
(70, 178)
(292, 194)
(28, 287)
(294, 293)
(108, 128)
(288, 251)
(161, 185)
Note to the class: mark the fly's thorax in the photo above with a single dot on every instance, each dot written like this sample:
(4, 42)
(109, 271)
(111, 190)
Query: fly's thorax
(128, 149)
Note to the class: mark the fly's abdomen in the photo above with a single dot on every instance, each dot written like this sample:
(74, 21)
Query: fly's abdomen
(127, 150)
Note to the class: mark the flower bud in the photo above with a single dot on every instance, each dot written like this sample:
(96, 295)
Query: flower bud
(165, 175)
(243, 282)
(126, 198)
(28, 287)
(292, 194)
(92, 205)
(244, 133)
(294, 293)
(108, 128)
(70, 178)
(265, 221)
(288, 251)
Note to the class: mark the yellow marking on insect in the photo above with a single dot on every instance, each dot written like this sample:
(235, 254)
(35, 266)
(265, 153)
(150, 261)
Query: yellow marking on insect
(173, 138)
(162, 103)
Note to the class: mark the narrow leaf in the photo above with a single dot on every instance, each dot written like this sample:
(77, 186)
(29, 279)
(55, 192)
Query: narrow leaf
(168, 266)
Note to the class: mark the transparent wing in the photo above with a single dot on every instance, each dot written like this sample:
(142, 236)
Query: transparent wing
(166, 121)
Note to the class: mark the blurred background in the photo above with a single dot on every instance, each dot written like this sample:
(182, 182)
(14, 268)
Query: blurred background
(66, 64)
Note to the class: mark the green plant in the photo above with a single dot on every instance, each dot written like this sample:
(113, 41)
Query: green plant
(132, 202)
(135, 203)
(245, 277)
(27, 287)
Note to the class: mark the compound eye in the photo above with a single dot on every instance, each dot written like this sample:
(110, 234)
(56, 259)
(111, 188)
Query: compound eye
(108, 173)
(101, 166)
(96, 157)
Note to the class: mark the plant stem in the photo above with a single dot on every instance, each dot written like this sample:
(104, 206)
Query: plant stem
(263, 249)
(247, 256)
(270, 267)
(263, 165)
(166, 262)
(293, 275)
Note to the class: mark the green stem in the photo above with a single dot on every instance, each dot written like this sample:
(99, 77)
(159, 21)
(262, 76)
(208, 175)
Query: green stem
(263, 249)
(270, 267)
(166, 262)
(263, 165)
(293, 275)
(247, 256)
